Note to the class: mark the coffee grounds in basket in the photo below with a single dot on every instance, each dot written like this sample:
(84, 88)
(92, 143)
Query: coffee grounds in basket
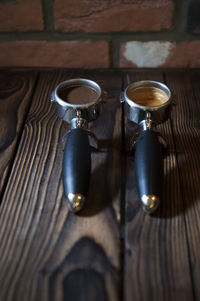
(147, 96)
(78, 95)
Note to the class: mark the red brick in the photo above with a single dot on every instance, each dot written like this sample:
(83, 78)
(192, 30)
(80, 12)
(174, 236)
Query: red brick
(113, 15)
(21, 15)
(184, 54)
(71, 54)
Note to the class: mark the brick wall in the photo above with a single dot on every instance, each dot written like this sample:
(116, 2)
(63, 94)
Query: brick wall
(100, 33)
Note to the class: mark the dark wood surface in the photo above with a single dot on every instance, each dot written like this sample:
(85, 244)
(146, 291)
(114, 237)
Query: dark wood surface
(111, 250)
(16, 90)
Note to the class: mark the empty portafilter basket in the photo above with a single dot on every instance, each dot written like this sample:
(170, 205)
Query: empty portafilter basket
(147, 104)
(78, 103)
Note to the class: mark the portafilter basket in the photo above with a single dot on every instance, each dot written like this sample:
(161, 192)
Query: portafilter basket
(148, 162)
(77, 154)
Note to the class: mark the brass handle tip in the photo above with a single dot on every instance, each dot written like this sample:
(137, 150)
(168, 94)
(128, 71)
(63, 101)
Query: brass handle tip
(150, 203)
(75, 201)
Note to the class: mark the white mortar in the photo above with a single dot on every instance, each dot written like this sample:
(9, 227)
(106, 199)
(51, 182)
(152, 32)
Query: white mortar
(147, 54)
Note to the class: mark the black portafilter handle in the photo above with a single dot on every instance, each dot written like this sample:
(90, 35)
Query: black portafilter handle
(149, 169)
(76, 168)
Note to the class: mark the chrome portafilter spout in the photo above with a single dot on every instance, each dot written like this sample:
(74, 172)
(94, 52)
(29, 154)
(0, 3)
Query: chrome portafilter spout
(78, 103)
(147, 104)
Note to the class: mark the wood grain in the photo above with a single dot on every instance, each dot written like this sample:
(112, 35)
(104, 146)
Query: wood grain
(16, 89)
(186, 128)
(157, 263)
(46, 252)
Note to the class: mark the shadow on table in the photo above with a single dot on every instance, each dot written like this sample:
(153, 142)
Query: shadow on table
(181, 189)
(105, 178)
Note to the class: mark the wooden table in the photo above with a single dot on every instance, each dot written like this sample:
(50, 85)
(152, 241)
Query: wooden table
(110, 251)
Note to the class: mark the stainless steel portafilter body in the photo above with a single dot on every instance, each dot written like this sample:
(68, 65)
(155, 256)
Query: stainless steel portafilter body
(148, 161)
(67, 111)
(137, 113)
(77, 155)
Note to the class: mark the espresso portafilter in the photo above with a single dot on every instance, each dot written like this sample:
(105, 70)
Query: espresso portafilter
(77, 154)
(147, 104)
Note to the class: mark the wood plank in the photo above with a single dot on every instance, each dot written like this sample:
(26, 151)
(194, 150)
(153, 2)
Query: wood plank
(16, 89)
(156, 260)
(47, 252)
(186, 128)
